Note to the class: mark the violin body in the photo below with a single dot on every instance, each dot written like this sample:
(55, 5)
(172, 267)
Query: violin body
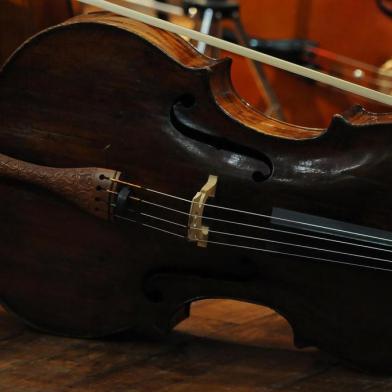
(134, 99)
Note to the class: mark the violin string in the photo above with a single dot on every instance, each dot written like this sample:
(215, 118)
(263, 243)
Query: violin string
(150, 226)
(227, 234)
(320, 259)
(300, 246)
(264, 216)
(165, 220)
(267, 228)
(271, 251)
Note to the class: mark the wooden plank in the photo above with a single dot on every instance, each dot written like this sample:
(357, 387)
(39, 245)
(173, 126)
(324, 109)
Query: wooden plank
(225, 346)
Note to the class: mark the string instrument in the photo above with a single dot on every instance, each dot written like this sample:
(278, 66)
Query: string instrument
(300, 32)
(134, 181)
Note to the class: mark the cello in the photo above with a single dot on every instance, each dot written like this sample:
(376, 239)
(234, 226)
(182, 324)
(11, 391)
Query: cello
(134, 181)
(308, 33)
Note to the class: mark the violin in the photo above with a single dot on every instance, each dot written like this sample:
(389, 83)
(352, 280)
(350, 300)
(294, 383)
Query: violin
(305, 33)
(134, 181)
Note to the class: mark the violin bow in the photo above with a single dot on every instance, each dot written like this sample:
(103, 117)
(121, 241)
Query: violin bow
(380, 77)
(158, 6)
(243, 51)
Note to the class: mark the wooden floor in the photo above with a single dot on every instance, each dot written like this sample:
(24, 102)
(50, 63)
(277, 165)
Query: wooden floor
(225, 346)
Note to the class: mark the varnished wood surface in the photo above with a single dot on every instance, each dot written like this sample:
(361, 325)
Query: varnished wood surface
(224, 346)
(67, 272)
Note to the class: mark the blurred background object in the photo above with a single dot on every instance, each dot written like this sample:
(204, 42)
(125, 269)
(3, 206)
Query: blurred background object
(336, 26)
(20, 19)
(327, 35)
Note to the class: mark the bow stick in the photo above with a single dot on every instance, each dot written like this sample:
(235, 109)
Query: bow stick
(243, 51)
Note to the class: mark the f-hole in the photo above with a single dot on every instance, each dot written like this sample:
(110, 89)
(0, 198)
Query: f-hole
(264, 166)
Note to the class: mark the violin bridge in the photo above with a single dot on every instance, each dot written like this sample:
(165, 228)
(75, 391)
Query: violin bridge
(197, 232)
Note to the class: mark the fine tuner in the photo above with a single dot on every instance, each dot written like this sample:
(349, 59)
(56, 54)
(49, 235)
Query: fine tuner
(94, 190)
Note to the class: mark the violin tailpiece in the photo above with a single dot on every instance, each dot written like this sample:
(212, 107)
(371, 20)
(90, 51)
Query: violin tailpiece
(91, 189)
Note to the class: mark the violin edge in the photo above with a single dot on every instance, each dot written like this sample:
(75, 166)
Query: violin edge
(225, 95)
(357, 115)
(219, 70)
